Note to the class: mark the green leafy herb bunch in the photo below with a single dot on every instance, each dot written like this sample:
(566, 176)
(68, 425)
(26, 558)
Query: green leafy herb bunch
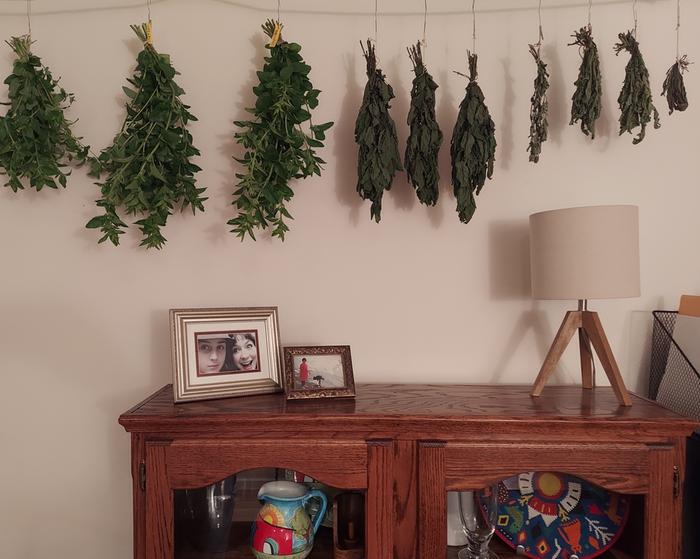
(587, 99)
(674, 86)
(539, 107)
(473, 146)
(36, 140)
(147, 167)
(375, 134)
(635, 100)
(277, 148)
(425, 138)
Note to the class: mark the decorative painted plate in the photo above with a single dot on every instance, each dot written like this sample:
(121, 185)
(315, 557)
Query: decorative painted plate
(558, 516)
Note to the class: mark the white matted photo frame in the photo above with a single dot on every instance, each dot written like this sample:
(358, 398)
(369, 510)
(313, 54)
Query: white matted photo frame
(224, 352)
(318, 372)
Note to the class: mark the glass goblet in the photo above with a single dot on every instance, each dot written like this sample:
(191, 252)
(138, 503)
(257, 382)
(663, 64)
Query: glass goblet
(477, 511)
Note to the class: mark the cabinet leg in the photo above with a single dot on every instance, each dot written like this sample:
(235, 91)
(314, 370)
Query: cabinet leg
(138, 457)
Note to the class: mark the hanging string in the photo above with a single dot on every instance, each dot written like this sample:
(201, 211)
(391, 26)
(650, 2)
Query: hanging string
(590, 9)
(474, 26)
(678, 33)
(29, 17)
(425, 23)
(149, 25)
(278, 10)
(541, 38)
(634, 11)
(376, 22)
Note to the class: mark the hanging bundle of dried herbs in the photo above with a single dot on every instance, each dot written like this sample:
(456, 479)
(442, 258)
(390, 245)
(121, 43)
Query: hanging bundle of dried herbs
(148, 165)
(277, 149)
(674, 88)
(587, 100)
(538, 108)
(473, 146)
(635, 100)
(425, 138)
(375, 133)
(36, 140)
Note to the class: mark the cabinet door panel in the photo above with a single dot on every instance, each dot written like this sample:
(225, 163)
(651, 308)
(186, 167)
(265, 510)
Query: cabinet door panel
(622, 468)
(196, 463)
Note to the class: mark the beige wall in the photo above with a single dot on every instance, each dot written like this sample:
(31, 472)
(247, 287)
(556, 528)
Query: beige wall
(420, 297)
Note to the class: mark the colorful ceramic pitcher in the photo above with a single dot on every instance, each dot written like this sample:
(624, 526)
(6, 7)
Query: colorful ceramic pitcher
(283, 528)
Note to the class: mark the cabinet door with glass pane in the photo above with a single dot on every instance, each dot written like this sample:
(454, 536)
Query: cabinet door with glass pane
(231, 499)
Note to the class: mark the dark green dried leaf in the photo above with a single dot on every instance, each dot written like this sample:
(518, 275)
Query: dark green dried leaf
(473, 146)
(375, 134)
(674, 88)
(635, 99)
(147, 166)
(587, 99)
(278, 149)
(539, 108)
(425, 138)
(36, 140)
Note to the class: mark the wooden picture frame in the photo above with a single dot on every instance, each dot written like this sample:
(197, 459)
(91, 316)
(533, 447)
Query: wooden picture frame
(328, 372)
(224, 352)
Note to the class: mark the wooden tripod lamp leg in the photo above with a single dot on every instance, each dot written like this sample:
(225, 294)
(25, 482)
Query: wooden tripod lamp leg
(594, 329)
(584, 345)
(571, 323)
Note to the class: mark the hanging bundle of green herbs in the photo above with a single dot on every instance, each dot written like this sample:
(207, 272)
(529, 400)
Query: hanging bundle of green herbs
(277, 149)
(375, 133)
(539, 107)
(587, 100)
(425, 137)
(674, 87)
(473, 146)
(36, 140)
(148, 165)
(635, 100)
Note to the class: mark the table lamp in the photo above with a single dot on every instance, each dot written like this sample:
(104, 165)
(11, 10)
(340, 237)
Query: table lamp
(581, 254)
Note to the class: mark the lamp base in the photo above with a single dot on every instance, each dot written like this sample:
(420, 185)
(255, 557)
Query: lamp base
(590, 331)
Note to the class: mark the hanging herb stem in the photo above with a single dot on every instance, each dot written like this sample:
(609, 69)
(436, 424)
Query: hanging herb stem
(473, 146)
(635, 100)
(674, 87)
(36, 140)
(148, 165)
(425, 137)
(587, 99)
(539, 107)
(375, 134)
(277, 149)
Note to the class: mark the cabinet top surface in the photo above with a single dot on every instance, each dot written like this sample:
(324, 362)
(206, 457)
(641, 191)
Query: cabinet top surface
(406, 403)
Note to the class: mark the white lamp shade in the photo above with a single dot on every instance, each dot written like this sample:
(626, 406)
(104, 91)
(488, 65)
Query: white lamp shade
(585, 253)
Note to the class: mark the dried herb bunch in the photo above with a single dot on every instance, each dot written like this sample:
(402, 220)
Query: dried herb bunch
(473, 146)
(635, 100)
(277, 148)
(36, 140)
(148, 169)
(425, 138)
(539, 107)
(375, 134)
(674, 87)
(587, 100)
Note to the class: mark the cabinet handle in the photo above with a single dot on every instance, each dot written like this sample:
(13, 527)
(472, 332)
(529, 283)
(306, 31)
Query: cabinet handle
(142, 476)
(676, 481)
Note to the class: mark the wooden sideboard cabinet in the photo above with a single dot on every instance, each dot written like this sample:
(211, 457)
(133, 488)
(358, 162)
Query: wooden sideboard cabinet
(405, 447)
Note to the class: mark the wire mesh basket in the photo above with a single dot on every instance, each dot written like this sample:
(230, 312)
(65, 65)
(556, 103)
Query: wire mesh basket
(673, 380)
